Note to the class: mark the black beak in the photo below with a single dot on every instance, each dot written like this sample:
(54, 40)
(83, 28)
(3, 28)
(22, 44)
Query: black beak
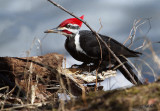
(54, 30)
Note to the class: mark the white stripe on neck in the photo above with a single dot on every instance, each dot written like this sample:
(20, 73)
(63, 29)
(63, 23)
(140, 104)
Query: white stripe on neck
(77, 43)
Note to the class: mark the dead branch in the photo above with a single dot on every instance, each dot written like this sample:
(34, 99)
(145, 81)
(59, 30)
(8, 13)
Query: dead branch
(136, 25)
(153, 72)
(97, 36)
(143, 44)
(100, 25)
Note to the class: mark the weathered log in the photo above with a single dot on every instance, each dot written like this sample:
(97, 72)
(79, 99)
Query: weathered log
(42, 76)
(39, 74)
(28, 72)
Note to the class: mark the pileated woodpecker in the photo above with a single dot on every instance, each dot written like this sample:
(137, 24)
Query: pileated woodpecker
(83, 46)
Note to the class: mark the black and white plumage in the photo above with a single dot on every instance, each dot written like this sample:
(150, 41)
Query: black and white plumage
(83, 46)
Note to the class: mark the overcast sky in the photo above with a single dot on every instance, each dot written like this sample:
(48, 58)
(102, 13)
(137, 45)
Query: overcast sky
(23, 20)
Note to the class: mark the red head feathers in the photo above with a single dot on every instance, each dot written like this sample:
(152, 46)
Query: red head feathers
(72, 21)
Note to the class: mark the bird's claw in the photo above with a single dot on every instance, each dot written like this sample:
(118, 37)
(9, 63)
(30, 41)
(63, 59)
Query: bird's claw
(75, 66)
(78, 66)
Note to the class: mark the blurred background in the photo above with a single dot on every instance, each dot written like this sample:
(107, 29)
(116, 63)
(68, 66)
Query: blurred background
(23, 22)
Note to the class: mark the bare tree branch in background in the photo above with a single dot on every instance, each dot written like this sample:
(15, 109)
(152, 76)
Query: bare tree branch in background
(136, 25)
(100, 25)
(143, 44)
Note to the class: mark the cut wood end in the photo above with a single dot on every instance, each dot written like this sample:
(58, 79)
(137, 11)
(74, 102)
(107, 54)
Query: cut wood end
(88, 77)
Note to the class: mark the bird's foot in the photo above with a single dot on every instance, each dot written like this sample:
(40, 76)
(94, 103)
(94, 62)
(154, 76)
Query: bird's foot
(74, 66)
(79, 66)
(85, 68)
(105, 69)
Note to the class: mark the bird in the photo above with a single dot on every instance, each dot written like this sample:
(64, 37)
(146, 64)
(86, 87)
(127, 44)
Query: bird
(83, 46)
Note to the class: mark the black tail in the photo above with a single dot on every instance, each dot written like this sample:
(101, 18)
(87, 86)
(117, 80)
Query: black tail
(129, 68)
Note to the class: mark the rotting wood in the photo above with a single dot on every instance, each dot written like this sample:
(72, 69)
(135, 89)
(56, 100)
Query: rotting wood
(44, 74)
(26, 72)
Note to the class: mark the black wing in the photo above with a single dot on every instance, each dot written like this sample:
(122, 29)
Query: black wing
(91, 46)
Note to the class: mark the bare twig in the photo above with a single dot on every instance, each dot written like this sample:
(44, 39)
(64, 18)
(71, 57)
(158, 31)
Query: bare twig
(136, 25)
(101, 54)
(154, 74)
(101, 25)
(98, 37)
(5, 96)
(138, 72)
(143, 44)
(40, 43)
(34, 105)
(155, 56)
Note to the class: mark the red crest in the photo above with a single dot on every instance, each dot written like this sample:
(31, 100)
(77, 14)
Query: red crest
(72, 21)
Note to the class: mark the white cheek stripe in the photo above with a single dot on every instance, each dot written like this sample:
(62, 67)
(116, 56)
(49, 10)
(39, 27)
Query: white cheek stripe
(77, 43)
(75, 31)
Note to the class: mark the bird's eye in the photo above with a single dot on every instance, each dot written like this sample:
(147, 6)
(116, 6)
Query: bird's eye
(68, 26)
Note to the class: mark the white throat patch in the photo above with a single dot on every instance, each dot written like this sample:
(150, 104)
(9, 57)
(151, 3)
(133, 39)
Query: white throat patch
(77, 43)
